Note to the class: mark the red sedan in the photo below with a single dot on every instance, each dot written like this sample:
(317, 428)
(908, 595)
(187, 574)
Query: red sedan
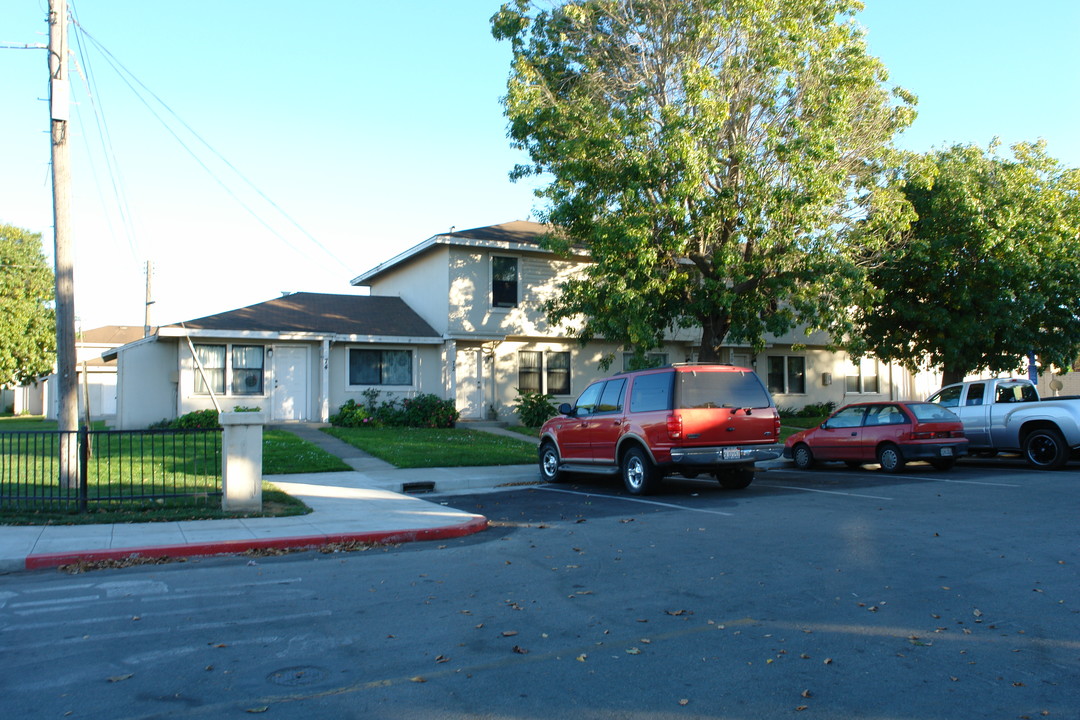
(889, 433)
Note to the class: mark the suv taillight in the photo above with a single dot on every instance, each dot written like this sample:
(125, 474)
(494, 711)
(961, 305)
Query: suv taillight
(674, 426)
(776, 425)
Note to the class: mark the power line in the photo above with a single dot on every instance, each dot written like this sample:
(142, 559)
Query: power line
(105, 137)
(125, 74)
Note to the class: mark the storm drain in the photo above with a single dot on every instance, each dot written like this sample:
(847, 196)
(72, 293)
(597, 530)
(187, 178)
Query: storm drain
(418, 488)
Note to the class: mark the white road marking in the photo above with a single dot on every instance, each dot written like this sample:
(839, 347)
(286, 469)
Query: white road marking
(971, 482)
(827, 492)
(637, 500)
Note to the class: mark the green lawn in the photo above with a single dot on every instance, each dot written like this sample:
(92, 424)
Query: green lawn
(285, 453)
(427, 447)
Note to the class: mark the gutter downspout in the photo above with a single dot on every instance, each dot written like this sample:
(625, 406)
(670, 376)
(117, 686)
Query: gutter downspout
(324, 390)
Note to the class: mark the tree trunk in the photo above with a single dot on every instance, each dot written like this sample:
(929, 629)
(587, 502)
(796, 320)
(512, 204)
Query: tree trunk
(713, 331)
(950, 375)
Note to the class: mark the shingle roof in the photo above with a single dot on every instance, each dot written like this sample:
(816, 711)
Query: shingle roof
(111, 335)
(322, 313)
(518, 231)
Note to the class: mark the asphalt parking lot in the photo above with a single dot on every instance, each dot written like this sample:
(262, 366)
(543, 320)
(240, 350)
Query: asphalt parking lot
(826, 594)
(848, 593)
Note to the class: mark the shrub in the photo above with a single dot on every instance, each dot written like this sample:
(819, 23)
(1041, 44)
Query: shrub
(428, 410)
(425, 410)
(350, 415)
(534, 408)
(197, 420)
(817, 409)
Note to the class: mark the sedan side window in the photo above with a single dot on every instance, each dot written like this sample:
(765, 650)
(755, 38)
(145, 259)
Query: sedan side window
(847, 418)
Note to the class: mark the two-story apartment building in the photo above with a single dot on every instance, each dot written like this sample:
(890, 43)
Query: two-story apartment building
(458, 315)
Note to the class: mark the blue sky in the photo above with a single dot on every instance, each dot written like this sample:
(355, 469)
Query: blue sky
(376, 125)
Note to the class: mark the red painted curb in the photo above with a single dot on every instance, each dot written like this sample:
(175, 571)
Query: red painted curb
(230, 547)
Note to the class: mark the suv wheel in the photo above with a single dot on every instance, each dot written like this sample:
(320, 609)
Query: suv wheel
(638, 473)
(736, 478)
(549, 463)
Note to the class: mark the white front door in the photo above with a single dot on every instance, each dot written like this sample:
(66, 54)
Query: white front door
(290, 394)
(468, 378)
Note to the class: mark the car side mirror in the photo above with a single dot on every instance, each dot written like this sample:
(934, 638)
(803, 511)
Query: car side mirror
(566, 409)
(825, 425)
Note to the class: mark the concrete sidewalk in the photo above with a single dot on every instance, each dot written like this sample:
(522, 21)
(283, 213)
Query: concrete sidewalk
(374, 503)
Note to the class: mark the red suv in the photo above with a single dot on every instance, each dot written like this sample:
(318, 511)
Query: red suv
(687, 419)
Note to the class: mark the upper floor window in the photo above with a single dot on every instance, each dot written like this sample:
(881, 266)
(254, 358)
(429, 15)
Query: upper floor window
(504, 282)
(238, 367)
(380, 367)
(787, 375)
(651, 360)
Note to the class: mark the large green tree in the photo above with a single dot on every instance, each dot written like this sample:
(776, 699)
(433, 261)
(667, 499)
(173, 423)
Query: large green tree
(27, 322)
(990, 270)
(711, 156)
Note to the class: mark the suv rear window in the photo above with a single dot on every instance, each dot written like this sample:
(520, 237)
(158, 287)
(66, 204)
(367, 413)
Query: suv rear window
(721, 389)
(651, 392)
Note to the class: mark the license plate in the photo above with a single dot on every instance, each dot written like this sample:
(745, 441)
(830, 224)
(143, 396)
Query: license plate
(946, 452)
(732, 454)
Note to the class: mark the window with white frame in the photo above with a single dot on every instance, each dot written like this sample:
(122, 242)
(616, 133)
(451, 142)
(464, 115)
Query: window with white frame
(651, 360)
(787, 375)
(544, 372)
(862, 377)
(240, 368)
(504, 282)
(380, 367)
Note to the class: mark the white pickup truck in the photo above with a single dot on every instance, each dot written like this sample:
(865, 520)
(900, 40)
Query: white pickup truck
(1008, 415)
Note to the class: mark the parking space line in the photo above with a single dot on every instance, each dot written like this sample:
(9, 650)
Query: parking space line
(827, 492)
(634, 499)
(970, 482)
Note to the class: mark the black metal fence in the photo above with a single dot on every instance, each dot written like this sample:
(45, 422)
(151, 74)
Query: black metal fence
(109, 468)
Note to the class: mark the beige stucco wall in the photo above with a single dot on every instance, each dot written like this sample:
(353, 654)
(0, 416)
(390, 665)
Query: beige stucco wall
(147, 382)
(423, 284)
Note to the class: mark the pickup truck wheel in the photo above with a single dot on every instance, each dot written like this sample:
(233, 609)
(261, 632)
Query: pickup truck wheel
(890, 458)
(549, 463)
(804, 459)
(1045, 449)
(736, 478)
(638, 473)
(943, 463)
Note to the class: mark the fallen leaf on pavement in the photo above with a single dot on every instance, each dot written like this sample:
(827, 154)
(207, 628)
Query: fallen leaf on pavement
(118, 678)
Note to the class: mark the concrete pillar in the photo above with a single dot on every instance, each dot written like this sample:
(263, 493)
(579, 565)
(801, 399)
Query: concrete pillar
(241, 461)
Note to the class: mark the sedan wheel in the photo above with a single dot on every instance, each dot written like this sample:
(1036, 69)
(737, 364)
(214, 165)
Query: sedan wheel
(890, 459)
(804, 459)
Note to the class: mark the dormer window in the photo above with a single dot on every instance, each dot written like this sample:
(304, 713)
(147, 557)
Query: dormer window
(504, 282)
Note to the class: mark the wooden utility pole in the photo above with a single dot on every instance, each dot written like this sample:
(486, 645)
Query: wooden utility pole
(66, 370)
(147, 326)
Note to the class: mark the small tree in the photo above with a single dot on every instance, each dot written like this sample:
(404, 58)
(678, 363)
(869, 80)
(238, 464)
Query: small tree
(988, 272)
(27, 322)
